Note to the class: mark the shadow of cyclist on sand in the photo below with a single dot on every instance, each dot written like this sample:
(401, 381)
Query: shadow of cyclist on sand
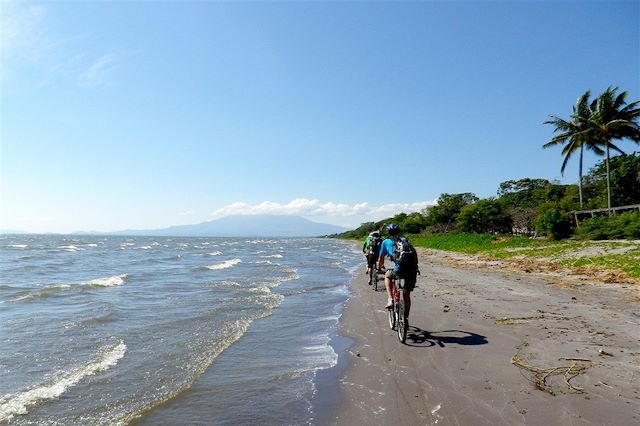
(418, 337)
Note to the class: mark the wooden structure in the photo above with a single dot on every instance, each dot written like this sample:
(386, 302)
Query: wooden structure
(594, 212)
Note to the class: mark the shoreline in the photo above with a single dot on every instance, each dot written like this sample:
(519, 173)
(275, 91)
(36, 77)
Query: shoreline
(479, 338)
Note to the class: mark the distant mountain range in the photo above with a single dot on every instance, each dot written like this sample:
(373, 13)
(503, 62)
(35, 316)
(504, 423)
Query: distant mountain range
(240, 226)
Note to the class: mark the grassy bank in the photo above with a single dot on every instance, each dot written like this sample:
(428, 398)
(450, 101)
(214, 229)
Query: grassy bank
(621, 256)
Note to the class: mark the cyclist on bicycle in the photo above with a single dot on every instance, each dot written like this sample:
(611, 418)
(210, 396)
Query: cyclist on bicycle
(390, 247)
(371, 249)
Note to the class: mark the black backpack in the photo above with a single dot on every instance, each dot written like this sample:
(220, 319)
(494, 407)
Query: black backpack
(406, 257)
(374, 244)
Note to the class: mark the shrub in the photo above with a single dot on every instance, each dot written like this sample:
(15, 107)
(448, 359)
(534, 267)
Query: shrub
(553, 223)
(617, 226)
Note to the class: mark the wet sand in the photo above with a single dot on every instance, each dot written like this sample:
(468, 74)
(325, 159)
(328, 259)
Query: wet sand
(494, 344)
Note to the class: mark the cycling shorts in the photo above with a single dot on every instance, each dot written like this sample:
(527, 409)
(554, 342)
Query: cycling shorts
(408, 284)
(372, 259)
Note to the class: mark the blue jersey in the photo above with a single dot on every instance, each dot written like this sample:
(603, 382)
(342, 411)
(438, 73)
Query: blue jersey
(387, 250)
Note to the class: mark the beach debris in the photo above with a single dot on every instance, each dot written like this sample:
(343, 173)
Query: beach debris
(603, 352)
(446, 308)
(514, 321)
(539, 375)
(358, 354)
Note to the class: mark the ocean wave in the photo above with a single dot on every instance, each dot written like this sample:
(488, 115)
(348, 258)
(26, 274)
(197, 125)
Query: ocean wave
(196, 366)
(17, 246)
(214, 253)
(19, 403)
(274, 256)
(224, 265)
(107, 281)
(69, 248)
(51, 290)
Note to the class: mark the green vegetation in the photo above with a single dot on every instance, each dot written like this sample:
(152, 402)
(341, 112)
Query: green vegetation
(595, 125)
(570, 253)
(620, 226)
(538, 207)
(502, 226)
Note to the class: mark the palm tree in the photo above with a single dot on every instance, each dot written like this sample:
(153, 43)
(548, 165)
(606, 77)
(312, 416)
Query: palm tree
(574, 133)
(612, 119)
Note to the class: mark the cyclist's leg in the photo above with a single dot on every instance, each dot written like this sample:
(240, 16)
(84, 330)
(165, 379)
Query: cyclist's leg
(406, 294)
(371, 263)
(388, 283)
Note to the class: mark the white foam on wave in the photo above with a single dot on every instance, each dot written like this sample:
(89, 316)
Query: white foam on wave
(214, 253)
(107, 281)
(50, 290)
(272, 256)
(224, 265)
(69, 248)
(19, 403)
(17, 246)
(90, 245)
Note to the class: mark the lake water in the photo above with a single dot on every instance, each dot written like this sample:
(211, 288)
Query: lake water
(165, 331)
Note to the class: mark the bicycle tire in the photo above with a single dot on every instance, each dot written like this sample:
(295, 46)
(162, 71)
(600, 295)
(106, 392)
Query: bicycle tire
(392, 317)
(402, 322)
(375, 281)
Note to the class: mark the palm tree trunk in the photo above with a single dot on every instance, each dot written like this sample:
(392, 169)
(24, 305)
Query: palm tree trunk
(580, 174)
(608, 183)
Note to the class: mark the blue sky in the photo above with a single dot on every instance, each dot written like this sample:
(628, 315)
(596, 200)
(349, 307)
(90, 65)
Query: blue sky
(120, 115)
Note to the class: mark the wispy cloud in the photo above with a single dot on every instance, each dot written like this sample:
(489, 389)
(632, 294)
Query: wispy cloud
(22, 33)
(29, 47)
(344, 213)
(99, 70)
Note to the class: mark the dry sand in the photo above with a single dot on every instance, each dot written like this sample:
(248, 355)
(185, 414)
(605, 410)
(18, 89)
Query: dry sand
(491, 344)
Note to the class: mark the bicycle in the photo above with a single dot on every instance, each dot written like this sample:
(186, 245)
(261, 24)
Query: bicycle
(375, 278)
(397, 317)
(373, 272)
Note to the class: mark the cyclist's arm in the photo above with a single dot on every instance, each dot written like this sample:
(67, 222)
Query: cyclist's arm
(383, 252)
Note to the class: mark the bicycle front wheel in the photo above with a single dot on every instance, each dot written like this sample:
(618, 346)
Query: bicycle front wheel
(403, 322)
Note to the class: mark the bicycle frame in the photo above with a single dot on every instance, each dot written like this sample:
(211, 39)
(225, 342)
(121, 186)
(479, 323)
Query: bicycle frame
(397, 317)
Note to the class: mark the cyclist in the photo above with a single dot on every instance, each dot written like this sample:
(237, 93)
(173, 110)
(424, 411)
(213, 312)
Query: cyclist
(371, 249)
(390, 247)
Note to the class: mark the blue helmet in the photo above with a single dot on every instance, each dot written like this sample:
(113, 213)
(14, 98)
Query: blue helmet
(393, 229)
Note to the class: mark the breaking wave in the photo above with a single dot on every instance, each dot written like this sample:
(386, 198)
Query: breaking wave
(224, 265)
(19, 403)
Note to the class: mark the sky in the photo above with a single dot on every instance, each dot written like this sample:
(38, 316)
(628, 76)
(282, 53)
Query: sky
(141, 115)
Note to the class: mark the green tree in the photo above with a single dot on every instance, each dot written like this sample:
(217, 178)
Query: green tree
(613, 119)
(574, 135)
(523, 193)
(553, 222)
(445, 212)
(484, 216)
(624, 176)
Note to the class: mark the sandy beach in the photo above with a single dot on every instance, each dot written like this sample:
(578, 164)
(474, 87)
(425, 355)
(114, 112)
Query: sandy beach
(494, 343)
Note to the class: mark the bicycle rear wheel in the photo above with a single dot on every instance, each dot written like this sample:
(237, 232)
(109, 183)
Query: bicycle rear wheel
(402, 322)
(392, 317)
(375, 281)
